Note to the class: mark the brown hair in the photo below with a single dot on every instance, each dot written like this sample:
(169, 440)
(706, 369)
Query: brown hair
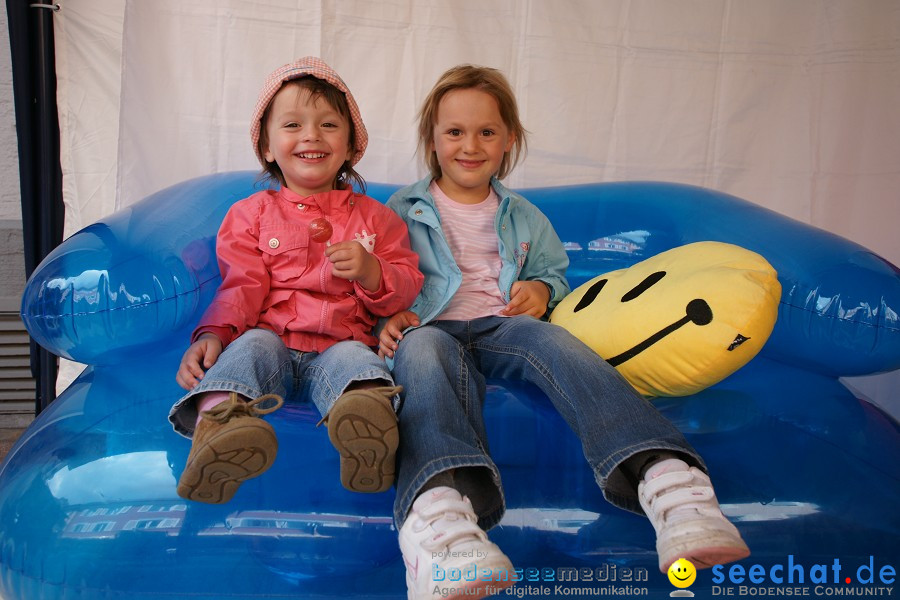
(488, 80)
(318, 88)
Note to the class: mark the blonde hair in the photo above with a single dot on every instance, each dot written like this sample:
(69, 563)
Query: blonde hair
(485, 79)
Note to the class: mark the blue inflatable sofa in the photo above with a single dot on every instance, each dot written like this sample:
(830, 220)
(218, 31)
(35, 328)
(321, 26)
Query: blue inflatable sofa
(809, 473)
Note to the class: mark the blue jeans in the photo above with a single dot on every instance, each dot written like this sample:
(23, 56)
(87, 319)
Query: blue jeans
(258, 363)
(442, 367)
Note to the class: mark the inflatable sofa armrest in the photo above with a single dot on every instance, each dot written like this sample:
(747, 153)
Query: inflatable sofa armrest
(137, 277)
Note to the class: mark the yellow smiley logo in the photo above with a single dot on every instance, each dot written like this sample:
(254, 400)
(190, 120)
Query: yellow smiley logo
(682, 573)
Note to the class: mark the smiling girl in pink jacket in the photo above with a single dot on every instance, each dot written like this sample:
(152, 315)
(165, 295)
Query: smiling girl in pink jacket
(307, 268)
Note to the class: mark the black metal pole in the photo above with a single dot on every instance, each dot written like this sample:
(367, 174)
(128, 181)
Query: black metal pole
(32, 51)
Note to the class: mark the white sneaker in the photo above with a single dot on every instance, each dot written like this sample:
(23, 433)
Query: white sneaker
(680, 502)
(447, 554)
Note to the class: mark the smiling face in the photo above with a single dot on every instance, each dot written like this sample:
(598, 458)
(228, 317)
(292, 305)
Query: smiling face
(469, 140)
(308, 139)
(682, 573)
(680, 321)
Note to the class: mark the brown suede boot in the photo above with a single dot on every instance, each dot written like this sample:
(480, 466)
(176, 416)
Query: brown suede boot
(231, 445)
(362, 426)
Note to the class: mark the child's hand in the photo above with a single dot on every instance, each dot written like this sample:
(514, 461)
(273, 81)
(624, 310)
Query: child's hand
(350, 260)
(207, 349)
(392, 332)
(528, 298)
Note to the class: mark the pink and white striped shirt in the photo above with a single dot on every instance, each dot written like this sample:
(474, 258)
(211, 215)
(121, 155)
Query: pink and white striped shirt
(472, 236)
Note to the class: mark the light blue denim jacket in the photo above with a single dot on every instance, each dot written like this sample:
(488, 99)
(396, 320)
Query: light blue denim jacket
(529, 247)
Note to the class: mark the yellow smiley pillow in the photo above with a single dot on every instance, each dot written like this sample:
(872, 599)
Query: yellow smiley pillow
(680, 321)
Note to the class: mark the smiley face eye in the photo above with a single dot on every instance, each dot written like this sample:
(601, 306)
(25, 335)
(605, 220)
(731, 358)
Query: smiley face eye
(595, 289)
(590, 295)
(643, 286)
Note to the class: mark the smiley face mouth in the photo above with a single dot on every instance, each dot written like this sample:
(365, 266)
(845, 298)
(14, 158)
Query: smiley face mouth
(697, 312)
(686, 577)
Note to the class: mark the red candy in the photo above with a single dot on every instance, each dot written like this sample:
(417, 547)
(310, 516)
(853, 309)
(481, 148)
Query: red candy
(320, 230)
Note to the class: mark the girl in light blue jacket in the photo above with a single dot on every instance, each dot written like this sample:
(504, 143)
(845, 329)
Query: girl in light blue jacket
(494, 268)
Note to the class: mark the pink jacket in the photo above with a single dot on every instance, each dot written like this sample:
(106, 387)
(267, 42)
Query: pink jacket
(275, 277)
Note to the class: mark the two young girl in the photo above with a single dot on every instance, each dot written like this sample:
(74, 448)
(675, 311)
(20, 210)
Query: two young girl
(306, 270)
(295, 308)
(493, 269)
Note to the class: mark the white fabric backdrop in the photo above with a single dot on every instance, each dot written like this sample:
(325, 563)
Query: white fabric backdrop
(791, 105)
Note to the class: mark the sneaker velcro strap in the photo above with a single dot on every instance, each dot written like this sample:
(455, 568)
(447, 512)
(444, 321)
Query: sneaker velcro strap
(440, 508)
(677, 488)
(462, 530)
(683, 498)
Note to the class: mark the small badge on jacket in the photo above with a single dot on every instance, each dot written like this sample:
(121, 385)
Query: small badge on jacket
(367, 240)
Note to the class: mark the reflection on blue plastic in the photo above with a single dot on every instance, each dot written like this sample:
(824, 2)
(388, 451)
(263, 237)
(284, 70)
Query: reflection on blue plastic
(88, 507)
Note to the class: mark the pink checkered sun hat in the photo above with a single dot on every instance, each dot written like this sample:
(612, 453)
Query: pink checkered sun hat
(316, 67)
